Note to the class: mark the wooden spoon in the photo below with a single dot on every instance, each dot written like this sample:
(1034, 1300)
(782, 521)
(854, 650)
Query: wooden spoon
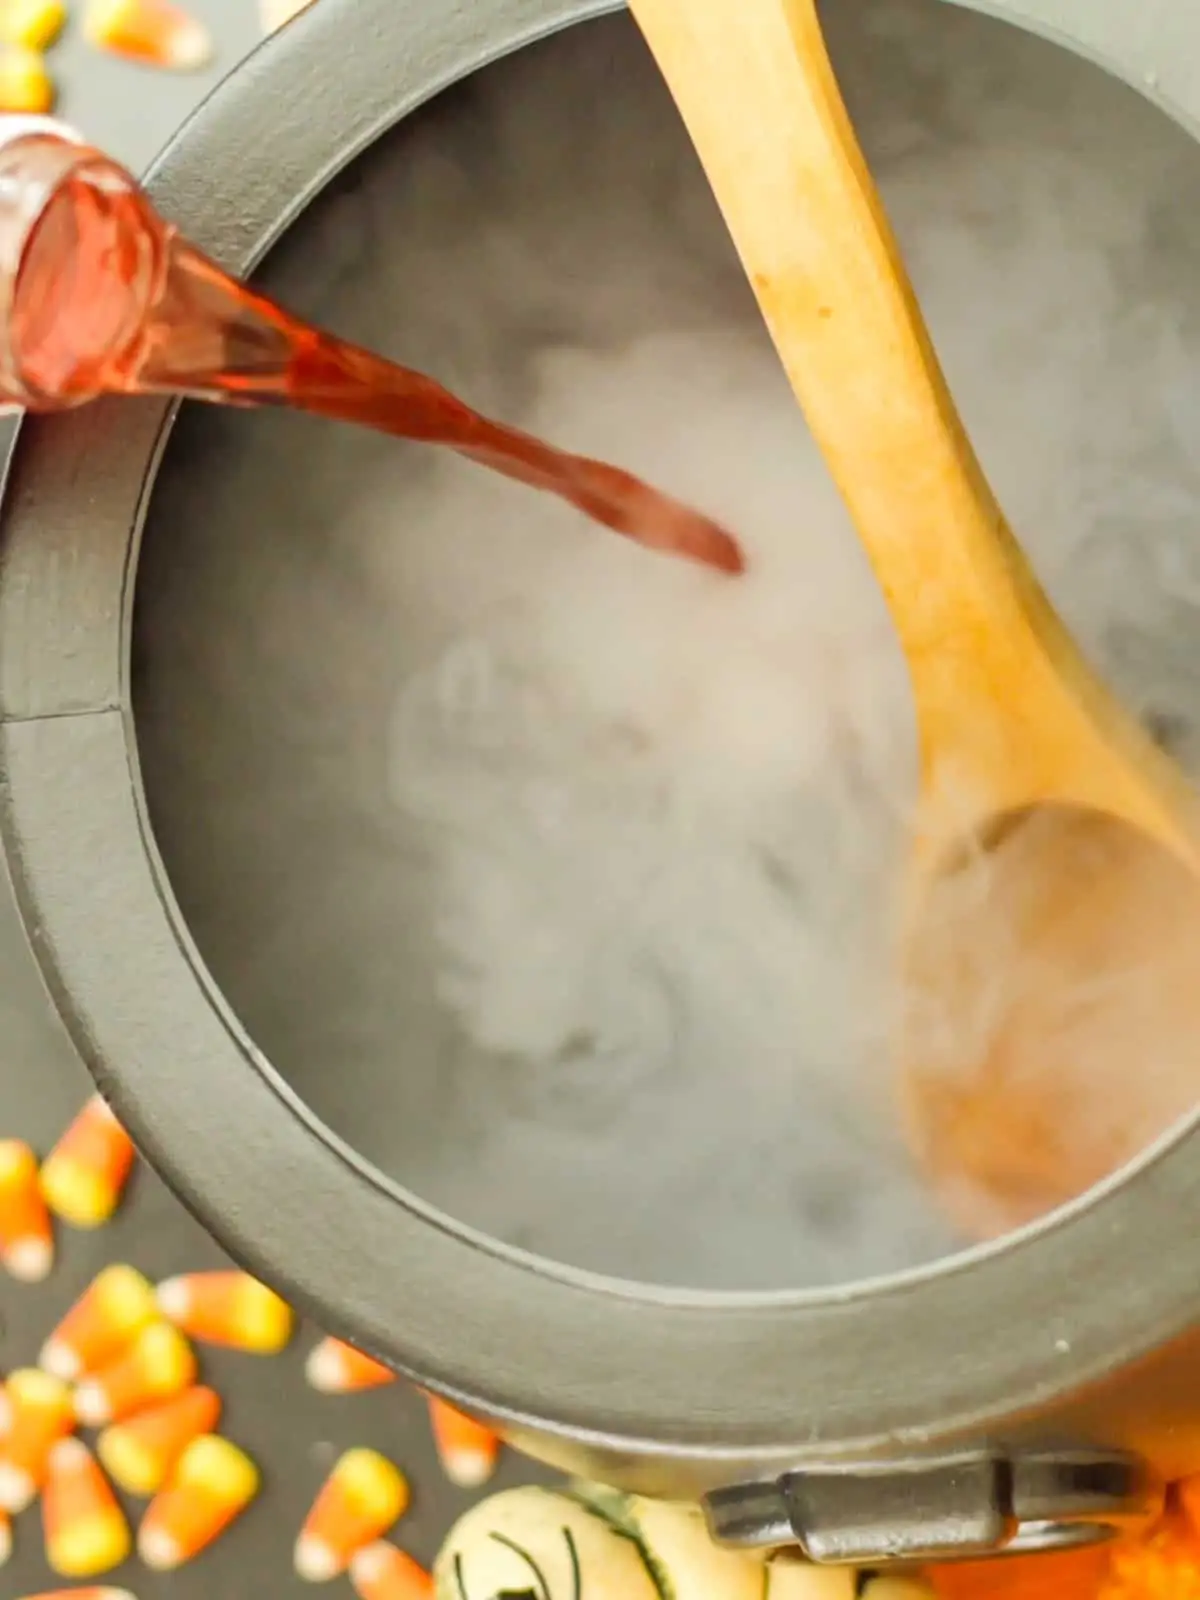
(1051, 833)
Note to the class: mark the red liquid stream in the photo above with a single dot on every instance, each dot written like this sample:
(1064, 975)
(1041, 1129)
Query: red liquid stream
(109, 299)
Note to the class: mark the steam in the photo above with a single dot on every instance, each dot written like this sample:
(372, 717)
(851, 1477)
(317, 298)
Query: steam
(560, 878)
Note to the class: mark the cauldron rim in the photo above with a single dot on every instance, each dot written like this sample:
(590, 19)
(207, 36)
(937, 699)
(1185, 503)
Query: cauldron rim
(726, 1381)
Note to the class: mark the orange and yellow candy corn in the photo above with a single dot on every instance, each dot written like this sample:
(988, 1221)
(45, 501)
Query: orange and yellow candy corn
(84, 1175)
(158, 1364)
(156, 33)
(334, 1367)
(25, 82)
(26, 1235)
(467, 1450)
(38, 1413)
(84, 1527)
(380, 1571)
(101, 1324)
(227, 1308)
(213, 1482)
(140, 1453)
(33, 24)
(358, 1502)
(90, 1593)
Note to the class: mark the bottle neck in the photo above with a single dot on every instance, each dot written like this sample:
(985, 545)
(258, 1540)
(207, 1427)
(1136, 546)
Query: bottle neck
(100, 295)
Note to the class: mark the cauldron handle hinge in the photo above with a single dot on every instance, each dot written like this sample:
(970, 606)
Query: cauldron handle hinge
(948, 1508)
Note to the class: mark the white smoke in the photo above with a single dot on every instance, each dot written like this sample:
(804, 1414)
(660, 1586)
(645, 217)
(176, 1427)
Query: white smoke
(555, 875)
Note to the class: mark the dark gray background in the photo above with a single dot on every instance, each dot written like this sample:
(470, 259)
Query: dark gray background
(293, 1433)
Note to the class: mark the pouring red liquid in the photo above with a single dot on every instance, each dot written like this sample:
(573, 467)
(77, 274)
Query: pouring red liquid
(105, 297)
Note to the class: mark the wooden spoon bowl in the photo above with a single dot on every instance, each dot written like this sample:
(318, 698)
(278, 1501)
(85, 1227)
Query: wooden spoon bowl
(1050, 1021)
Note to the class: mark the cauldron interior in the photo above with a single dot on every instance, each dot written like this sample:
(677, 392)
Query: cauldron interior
(294, 576)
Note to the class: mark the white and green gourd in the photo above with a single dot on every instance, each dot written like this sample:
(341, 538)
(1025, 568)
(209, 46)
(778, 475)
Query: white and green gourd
(586, 1542)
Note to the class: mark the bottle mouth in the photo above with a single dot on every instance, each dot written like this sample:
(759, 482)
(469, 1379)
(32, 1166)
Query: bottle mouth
(36, 156)
(14, 126)
(75, 271)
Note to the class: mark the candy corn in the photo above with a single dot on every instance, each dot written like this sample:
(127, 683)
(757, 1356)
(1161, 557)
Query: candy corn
(39, 1413)
(227, 1308)
(85, 1529)
(36, 24)
(82, 1594)
(140, 1452)
(154, 32)
(26, 1237)
(212, 1483)
(6, 1538)
(466, 1449)
(25, 82)
(158, 1364)
(102, 1323)
(337, 1368)
(359, 1501)
(381, 1572)
(83, 1176)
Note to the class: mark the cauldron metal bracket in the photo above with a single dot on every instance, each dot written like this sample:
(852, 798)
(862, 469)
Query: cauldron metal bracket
(954, 1508)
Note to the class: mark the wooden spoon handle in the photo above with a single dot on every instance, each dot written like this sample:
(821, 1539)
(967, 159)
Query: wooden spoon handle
(754, 85)
(1005, 704)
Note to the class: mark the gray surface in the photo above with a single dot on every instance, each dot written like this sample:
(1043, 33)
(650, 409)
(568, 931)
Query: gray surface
(132, 111)
(292, 1432)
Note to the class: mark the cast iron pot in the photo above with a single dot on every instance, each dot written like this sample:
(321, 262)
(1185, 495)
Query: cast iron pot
(1038, 1389)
